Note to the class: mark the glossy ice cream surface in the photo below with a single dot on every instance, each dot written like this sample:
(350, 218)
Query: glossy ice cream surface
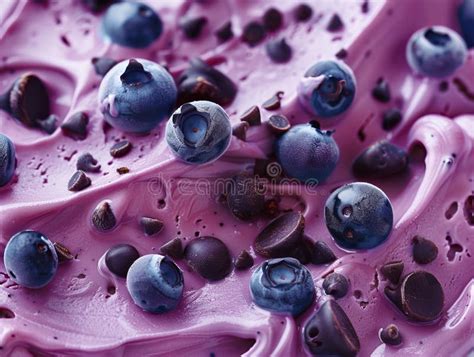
(85, 310)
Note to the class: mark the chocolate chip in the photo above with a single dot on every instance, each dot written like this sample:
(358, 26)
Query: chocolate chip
(336, 285)
(322, 254)
(103, 217)
(120, 258)
(335, 24)
(102, 65)
(6, 314)
(253, 33)
(365, 7)
(303, 251)
(279, 123)
(271, 209)
(173, 249)
(278, 50)
(468, 210)
(422, 296)
(274, 102)
(244, 261)
(240, 130)
(151, 226)
(341, 54)
(203, 82)
(252, 116)
(303, 12)
(260, 168)
(97, 5)
(390, 335)
(391, 118)
(192, 27)
(121, 148)
(424, 251)
(280, 236)
(272, 19)
(224, 33)
(209, 257)
(330, 332)
(380, 160)
(123, 170)
(48, 125)
(75, 126)
(381, 91)
(78, 181)
(392, 271)
(64, 254)
(244, 198)
(87, 163)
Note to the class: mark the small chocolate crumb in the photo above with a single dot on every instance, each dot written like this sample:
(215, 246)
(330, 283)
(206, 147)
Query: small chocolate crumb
(253, 33)
(87, 163)
(123, 170)
(192, 27)
(391, 118)
(75, 126)
(303, 12)
(120, 149)
(173, 248)
(335, 24)
(279, 123)
(278, 50)
(64, 254)
(151, 226)
(322, 254)
(102, 65)
(381, 91)
(240, 130)
(224, 33)
(252, 116)
(103, 217)
(390, 335)
(341, 54)
(424, 251)
(272, 19)
(244, 261)
(274, 102)
(78, 181)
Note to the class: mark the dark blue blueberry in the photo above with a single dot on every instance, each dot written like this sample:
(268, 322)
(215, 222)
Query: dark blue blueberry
(307, 153)
(131, 24)
(7, 160)
(436, 51)
(155, 283)
(199, 132)
(136, 95)
(30, 259)
(327, 89)
(359, 216)
(282, 285)
(466, 21)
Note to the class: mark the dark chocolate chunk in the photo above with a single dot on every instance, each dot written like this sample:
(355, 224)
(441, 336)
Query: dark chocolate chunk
(252, 116)
(322, 254)
(192, 27)
(303, 251)
(151, 226)
(75, 126)
(224, 33)
(381, 91)
(365, 7)
(303, 12)
(278, 50)
(422, 296)
(274, 102)
(468, 210)
(391, 118)
(329, 332)
(260, 168)
(64, 254)
(6, 314)
(280, 236)
(380, 160)
(240, 130)
(279, 123)
(209, 257)
(244, 198)
(103, 217)
(424, 251)
(203, 82)
(392, 271)
(123, 170)
(78, 181)
(173, 249)
(271, 209)
(87, 163)
(121, 148)
(336, 285)
(341, 54)
(97, 5)
(335, 24)
(272, 19)
(253, 33)
(390, 335)
(120, 258)
(102, 65)
(243, 261)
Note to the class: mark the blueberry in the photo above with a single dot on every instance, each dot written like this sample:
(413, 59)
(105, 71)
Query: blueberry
(358, 216)
(466, 21)
(136, 95)
(436, 51)
(155, 283)
(7, 160)
(307, 153)
(327, 89)
(131, 24)
(30, 259)
(199, 132)
(282, 285)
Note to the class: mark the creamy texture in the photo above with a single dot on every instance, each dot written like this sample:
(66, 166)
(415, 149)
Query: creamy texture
(80, 314)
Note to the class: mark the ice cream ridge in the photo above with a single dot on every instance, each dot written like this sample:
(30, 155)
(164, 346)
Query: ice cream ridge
(229, 177)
